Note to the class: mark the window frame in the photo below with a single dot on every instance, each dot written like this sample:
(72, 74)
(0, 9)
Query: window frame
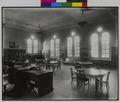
(34, 47)
(100, 47)
(55, 51)
(73, 47)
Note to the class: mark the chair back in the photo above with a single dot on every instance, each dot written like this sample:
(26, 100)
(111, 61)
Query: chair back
(81, 74)
(71, 69)
(108, 75)
(72, 72)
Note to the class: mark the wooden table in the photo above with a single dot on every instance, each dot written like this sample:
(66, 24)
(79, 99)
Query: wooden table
(55, 64)
(94, 73)
(43, 80)
(83, 64)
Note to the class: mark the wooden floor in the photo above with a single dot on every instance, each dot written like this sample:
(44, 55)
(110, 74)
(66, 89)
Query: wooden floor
(64, 89)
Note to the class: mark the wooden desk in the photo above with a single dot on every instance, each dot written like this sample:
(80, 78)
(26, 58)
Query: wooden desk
(43, 80)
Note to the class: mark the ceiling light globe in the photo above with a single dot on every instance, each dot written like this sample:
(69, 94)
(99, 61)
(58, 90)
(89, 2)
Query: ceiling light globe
(54, 36)
(32, 37)
(100, 29)
(73, 33)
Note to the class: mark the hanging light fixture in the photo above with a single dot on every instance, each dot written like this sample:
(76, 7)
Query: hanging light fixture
(39, 29)
(84, 22)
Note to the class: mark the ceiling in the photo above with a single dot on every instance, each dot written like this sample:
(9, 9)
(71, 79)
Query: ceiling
(49, 18)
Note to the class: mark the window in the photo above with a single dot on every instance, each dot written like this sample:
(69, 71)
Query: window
(35, 46)
(100, 44)
(73, 46)
(69, 46)
(32, 45)
(77, 46)
(94, 45)
(52, 48)
(55, 47)
(44, 51)
(105, 44)
(29, 46)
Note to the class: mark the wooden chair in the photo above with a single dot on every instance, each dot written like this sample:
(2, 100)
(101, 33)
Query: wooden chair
(104, 81)
(73, 74)
(81, 78)
(59, 65)
(5, 82)
(47, 65)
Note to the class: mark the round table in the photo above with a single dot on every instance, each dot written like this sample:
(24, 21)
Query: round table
(94, 73)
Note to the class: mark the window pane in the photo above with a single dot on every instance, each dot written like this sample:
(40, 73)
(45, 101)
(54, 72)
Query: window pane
(44, 47)
(69, 47)
(29, 46)
(57, 47)
(35, 44)
(52, 48)
(32, 45)
(77, 46)
(105, 46)
(94, 45)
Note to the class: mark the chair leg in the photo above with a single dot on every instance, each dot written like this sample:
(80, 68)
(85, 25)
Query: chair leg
(107, 86)
(100, 85)
(4, 87)
(71, 79)
(57, 68)
(84, 84)
(78, 83)
(88, 82)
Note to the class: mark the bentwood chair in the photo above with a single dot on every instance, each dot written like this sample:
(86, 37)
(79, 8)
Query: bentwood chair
(73, 74)
(81, 78)
(104, 81)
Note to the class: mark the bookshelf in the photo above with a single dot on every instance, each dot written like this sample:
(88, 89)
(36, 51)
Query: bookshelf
(11, 54)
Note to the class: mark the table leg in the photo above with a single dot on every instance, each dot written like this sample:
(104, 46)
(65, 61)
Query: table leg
(96, 84)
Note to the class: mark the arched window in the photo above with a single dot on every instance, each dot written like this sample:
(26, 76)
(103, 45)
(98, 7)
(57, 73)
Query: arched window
(77, 46)
(35, 44)
(32, 45)
(52, 48)
(55, 47)
(100, 44)
(69, 46)
(44, 51)
(94, 45)
(105, 45)
(29, 46)
(73, 46)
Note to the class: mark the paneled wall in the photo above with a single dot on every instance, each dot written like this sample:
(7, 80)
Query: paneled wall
(19, 36)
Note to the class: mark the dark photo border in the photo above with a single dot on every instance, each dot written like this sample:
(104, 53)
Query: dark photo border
(117, 8)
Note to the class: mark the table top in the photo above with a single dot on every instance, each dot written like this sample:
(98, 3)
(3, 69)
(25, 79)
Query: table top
(32, 71)
(94, 72)
(37, 72)
(53, 62)
(85, 63)
(24, 68)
